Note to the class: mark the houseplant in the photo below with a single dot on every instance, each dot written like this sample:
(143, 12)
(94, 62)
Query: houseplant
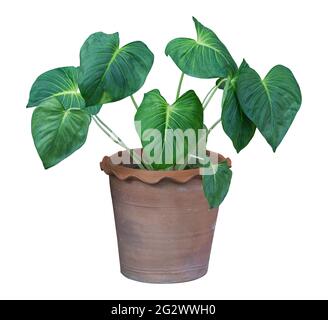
(165, 196)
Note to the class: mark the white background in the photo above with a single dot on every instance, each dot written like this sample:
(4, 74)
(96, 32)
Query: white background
(57, 235)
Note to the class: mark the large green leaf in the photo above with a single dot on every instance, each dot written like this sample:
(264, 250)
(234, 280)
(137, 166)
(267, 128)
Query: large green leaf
(109, 73)
(216, 182)
(60, 83)
(272, 103)
(234, 121)
(57, 131)
(206, 57)
(155, 113)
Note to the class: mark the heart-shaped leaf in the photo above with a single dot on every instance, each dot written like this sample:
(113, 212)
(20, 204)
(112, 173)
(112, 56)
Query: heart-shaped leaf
(234, 121)
(272, 103)
(206, 57)
(57, 131)
(109, 73)
(216, 182)
(60, 83)
(155, 113)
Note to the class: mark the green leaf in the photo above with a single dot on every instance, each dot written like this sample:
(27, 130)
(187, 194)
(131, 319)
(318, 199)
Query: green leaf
(234, 121)
(216, 182)
(60, 83)
(109, 73)
(57, 131)
(272, 103)
(155, 113)
(206, 57)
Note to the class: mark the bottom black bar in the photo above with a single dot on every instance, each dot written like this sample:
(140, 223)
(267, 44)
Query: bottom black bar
(152, 309)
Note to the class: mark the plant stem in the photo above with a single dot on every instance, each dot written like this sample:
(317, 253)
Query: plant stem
(116, 139)
(109, 132)
(134, 102)
(208, 93)
(210, 97)
(211, 93)
(213, 126)
(179, 86)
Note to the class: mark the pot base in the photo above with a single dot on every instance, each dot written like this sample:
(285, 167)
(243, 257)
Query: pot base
(164, 277)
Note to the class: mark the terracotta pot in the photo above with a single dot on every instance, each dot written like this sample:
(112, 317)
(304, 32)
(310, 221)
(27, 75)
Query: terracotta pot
(163, 224)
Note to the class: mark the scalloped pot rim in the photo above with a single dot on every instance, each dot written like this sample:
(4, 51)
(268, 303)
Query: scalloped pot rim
(122, 172)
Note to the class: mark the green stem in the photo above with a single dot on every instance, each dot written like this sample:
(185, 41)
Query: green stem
(134, 102)
(210, 97)
(119, 140)
(211, 93)
(109, 132)
(213, 126)
(208, 93)
(179, 86)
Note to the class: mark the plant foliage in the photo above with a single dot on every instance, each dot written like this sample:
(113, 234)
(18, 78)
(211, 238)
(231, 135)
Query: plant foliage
(68, 98)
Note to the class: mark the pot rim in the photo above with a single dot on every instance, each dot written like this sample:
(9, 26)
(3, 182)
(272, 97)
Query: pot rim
(122, 172)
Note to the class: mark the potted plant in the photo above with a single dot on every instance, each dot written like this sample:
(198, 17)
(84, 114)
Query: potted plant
(165, 195)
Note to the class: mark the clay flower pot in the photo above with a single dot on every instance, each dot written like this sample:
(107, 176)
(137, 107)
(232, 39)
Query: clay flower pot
(163, 224)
